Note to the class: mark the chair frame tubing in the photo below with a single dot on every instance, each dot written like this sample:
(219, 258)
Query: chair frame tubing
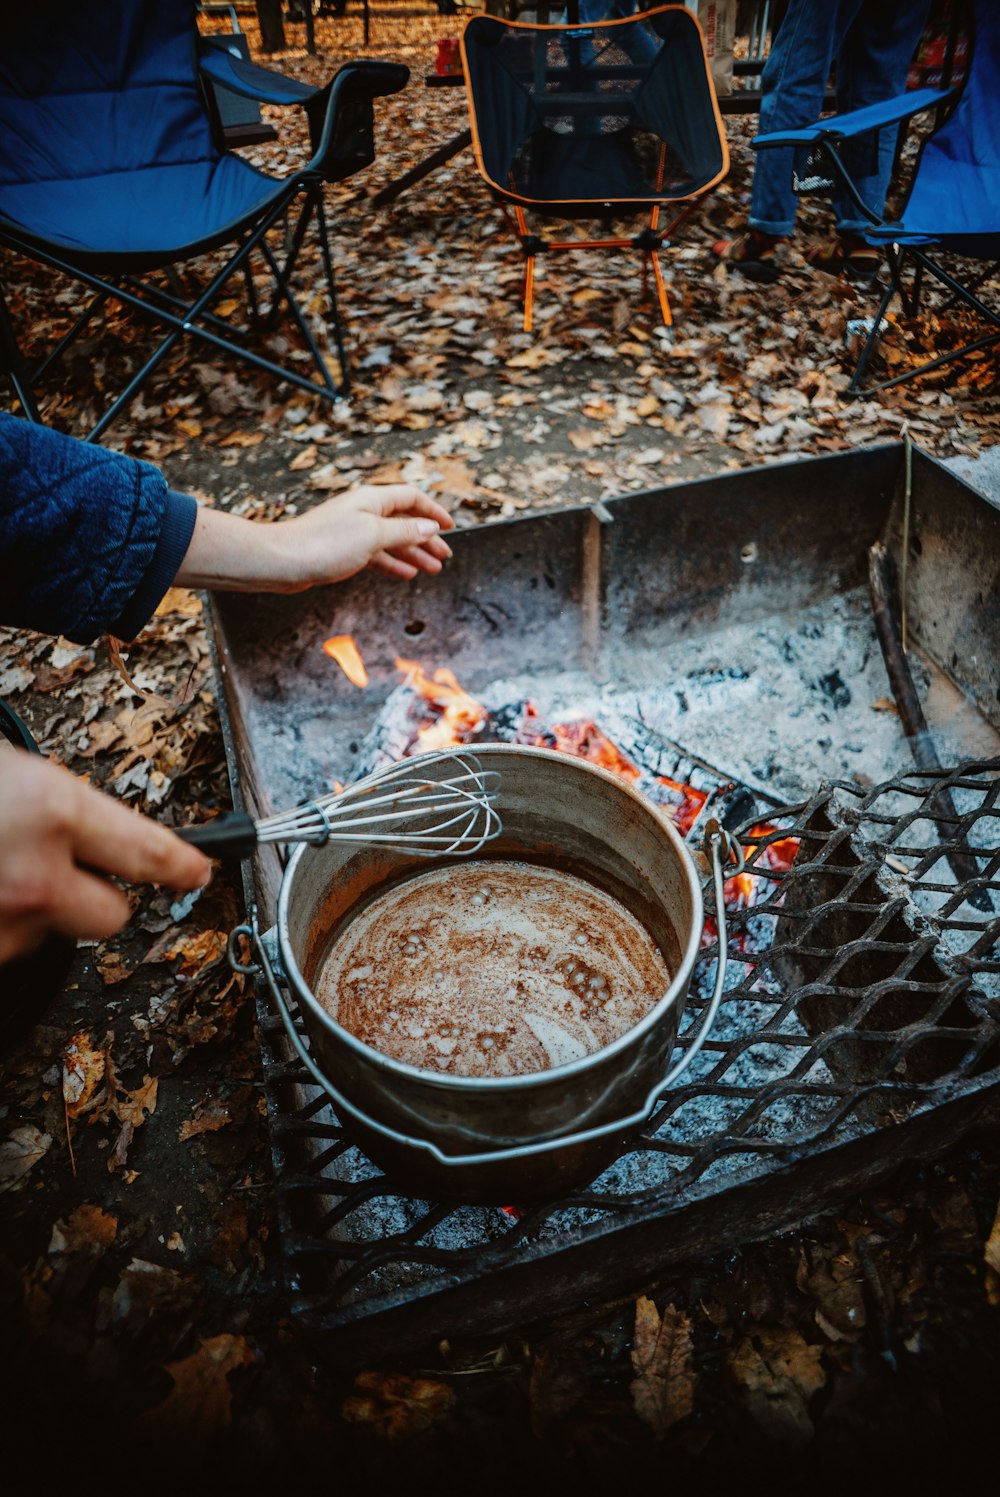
(533, 245)
(194, 318)
(896, 255)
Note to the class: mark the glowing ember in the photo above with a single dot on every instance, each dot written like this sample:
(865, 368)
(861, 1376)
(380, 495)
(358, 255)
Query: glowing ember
(455, 715)
(582, 738)
(444, 715)
(344, 651)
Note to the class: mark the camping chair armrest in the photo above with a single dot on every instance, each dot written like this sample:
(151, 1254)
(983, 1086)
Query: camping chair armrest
(230, 70)
(858, 121)
(341, 116)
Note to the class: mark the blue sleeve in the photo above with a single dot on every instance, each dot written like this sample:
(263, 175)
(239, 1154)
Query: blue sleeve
(90, 540)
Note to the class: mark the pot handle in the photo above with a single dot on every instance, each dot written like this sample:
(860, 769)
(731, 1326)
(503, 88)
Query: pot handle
(719, 845)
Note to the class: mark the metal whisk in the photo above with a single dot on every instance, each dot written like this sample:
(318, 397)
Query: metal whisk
(433, 805)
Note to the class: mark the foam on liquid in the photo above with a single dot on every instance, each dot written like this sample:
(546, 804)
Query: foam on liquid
(492, 969)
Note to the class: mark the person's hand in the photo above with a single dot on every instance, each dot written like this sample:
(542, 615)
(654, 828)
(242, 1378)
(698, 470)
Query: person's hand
(60, 841)
(394, 528)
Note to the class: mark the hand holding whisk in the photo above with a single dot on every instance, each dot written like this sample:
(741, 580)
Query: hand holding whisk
(434, 805)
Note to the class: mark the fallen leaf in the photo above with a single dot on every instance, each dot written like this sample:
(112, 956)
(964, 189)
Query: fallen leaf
(834, 1282)
(102, 735)
(558, 1384)
(15, 678)
(85, 1227)
(536, 357)
(201, 1401)
(663, 1362)
(213, 1113)
(146, 1290)
(83, 1069)
(179, 600)
(884, 704)
(776, 1373)
(113, 968)
(991, 1253)
(199, 949)
(305, 459)
(133, 1107)
(20, 1153)
(396, 1406)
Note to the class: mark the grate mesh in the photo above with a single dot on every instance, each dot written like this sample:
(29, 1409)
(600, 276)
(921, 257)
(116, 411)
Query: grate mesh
(863, 988)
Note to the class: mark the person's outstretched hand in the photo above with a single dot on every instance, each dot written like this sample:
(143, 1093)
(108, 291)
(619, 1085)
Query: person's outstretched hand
(60, 841)
(394, 528)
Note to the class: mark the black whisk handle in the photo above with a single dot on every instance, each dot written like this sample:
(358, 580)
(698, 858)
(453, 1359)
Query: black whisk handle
(233, 836)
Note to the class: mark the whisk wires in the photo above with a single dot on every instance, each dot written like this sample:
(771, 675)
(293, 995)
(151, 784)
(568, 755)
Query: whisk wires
(402, 804)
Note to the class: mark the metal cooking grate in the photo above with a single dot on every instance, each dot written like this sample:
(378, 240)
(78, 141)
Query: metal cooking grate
(864, 994)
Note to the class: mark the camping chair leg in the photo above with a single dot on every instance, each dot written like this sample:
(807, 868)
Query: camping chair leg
(854, 388)
(916, 288)
(661, 290)
(13, 364)
(331, 291)
(963, 293)
(530, 244)
(197, 309)
(973, 286)
(293, 244)
(299, 318)
(253, 306)
(945, 358)
(896, 261)
(54, 354)
(313, 205)
(959, 292)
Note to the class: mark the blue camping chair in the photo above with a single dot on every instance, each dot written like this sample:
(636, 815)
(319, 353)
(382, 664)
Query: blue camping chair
(113, 167)
(953, 204)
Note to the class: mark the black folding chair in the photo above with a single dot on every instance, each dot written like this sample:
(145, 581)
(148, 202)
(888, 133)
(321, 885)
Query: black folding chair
(113, 168)
(594, 121)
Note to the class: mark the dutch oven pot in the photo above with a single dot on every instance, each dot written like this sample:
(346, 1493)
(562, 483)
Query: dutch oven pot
(514, 1138)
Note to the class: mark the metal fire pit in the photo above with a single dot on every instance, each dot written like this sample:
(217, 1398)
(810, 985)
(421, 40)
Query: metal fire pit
(863, 1025)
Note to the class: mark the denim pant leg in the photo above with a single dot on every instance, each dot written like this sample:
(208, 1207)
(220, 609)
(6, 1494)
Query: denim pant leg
(872, 66)
(637, 43)
(792, 88)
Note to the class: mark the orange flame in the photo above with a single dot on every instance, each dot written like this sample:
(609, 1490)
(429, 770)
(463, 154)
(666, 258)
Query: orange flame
(344, 651)
(583, 739)
(457, 714)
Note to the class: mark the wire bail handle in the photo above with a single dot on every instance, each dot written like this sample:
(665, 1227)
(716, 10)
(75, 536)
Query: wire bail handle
(719, 846)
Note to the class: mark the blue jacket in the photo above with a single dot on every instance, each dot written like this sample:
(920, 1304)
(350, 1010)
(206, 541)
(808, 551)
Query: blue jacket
(90, 540)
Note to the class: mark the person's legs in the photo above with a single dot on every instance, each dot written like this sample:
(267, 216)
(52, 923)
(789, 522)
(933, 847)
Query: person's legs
(872, 66)
(792, 88)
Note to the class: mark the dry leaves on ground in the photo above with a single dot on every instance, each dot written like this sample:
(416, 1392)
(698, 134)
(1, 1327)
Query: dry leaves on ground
(663, 1361)
(91, 1089)
(200, 1403)
(394, 1406)
(19, 1153)
(991, 1254)
(776, 1373)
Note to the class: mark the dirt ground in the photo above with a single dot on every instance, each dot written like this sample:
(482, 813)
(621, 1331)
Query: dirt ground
(146, 1335)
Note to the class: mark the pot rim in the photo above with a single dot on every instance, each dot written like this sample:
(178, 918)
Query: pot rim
(523, 1082)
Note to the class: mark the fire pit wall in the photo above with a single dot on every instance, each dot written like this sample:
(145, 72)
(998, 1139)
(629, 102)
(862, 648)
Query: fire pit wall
(651, 587)
(615, 592)
(732, 616)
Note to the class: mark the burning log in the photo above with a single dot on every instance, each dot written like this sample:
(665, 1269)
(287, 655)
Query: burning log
(884, 594)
